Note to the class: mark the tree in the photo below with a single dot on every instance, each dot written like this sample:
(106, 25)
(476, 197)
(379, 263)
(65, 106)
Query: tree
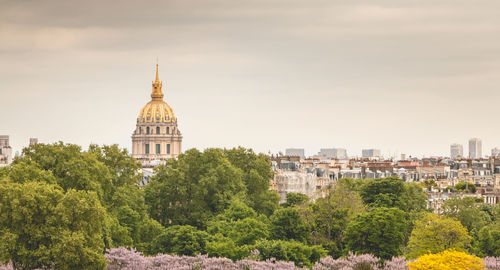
(72, 168)
(469, 187)
(393, 192)
(300, 253)
(221, 246)
(193, 188)
(447, 260)
(293, 199)
(287, 224)
(42, 227)
(107, 170)
(467, 211)
(241, 224)
(180, 240)
(257, 174)
(434, 234)
(328, 217)
(488, 242)
(381, 232)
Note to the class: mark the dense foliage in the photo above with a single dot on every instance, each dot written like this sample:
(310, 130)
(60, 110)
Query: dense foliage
(435, 234)
(62, 207)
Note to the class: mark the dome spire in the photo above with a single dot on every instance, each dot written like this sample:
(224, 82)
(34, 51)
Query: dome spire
(157, 77)
(157, 93)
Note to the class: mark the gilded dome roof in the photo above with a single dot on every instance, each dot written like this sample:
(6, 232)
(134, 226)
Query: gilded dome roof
(157, 110)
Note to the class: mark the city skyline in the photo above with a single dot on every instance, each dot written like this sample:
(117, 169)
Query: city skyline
(400, 77)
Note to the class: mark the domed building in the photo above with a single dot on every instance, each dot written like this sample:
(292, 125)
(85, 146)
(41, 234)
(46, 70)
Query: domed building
(156, 137)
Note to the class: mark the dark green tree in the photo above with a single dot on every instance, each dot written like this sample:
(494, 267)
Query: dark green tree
(328, 217)
(381, 232)
(468, 212)
(241, 224)
(393, 192)
(300, 253)
(257, 175)
(293, 199)
(288, 224)
(193, 188)
(488, 243)
(180, 240)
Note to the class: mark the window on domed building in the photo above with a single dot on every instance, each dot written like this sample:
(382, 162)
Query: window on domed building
(157, 148)
(147, 130)
(168, 130)
(157, 130)
(147, 148)
(168, 148)
(140, 130)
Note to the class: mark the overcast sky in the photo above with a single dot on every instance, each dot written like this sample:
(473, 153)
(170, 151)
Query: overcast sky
(403, 76)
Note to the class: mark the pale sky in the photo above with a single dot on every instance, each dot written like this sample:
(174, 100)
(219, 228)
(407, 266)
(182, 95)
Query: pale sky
(409, 76)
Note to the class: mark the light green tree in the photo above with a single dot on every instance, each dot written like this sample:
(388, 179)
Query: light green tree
(43, 227)
(433, 234)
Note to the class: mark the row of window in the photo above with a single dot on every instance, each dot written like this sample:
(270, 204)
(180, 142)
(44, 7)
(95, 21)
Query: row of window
(158, 149)
(150, 131)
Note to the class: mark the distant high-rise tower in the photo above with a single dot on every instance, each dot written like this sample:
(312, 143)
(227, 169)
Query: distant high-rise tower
(339, 153)
(33, 141)
(370, 153)
(298, 152)
(5, 151)
(475, 148)
(456, 150)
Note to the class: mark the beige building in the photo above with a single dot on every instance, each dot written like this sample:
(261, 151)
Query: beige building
(5, 151)
(156, 137)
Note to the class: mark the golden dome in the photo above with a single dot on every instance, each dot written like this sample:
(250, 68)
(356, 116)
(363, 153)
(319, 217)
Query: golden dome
(157, 110)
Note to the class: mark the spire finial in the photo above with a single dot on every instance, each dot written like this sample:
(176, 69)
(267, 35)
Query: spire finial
(157, 93)
(157, 76)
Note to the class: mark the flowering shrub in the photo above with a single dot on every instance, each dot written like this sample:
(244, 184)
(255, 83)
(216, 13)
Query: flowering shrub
(360, 262)
(447, 260)
(492, 263)
(122, 258)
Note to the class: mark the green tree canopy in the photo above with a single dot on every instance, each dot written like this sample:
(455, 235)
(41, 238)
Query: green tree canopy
(293, 199)
(381, 232)
(470, 187)
(257, 174)
(434, 234)
(467, 211)
(181, 240)
(108, 170)
(328, 217)
(488, 243)
(393, 192)
(193, 188)
(43, 227)
(300, 253)
(241, 224)
(288, 224)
